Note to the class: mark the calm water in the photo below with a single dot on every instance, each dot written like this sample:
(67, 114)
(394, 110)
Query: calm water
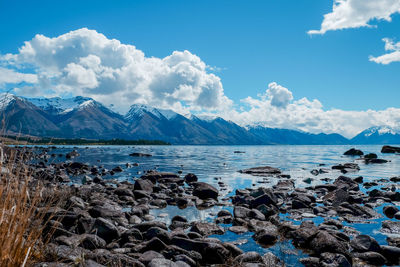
(210, 163)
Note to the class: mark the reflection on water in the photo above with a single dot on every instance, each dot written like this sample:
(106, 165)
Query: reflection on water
(219, 163)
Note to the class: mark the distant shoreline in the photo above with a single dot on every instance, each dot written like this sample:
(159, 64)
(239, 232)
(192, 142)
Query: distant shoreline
(15, 140)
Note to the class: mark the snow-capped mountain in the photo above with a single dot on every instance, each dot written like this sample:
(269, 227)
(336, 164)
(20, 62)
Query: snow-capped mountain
(83, 117)
(139, 110)
(378, 135)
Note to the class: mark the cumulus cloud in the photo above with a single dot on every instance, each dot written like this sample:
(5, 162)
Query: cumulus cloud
(279, 95)
(85, 62)
(310, 116)
(393, 56)
(357, 13)
(12, 76)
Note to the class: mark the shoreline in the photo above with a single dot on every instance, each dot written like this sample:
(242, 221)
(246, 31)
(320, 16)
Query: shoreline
(110, 221)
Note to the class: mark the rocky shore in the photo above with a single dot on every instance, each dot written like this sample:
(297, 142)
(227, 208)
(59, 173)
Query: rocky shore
(103, 222)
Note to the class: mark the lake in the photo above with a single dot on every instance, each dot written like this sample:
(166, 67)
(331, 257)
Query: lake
(213, 164)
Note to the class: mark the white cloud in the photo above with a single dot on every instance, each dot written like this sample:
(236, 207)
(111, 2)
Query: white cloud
(357, 13)
(310, 116)
(393, 56)
(279, 95)
(11, 76)
(85, 62)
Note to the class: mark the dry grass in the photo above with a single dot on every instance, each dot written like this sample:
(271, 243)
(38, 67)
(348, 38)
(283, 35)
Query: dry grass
(22, 212)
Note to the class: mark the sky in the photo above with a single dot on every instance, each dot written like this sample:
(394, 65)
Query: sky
(317, 66)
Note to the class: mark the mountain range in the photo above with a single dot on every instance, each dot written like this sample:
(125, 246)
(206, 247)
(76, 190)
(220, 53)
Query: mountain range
(83, 117)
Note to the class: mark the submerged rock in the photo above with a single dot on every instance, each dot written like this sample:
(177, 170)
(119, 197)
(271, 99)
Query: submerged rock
(353, 152)
(261, 171)
(390, 149)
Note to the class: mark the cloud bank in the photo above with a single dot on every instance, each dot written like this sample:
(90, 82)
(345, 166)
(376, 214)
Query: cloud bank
(310, 116)
(357, 13)
(85, 62)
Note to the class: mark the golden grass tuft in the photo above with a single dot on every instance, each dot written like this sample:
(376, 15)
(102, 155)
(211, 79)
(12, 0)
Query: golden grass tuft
(22, 212)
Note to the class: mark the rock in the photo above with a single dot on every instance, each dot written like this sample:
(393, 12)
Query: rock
(68, 254)
(390, 149)
(364, 243)
(186, 259)
(117, 169)
(347, 167)
(346, 183)
(190, 178)
(161, 177)
(267, 198)
(148, 256)
(371, 156)
(143, 227)
(390, 211)
(256, 214)
(214, 253)
(106, 230)
(359, 179)
(261, 171)
(92, 242)
(238, 229)
(203, 191)
(376, 161)
(248, 257)
(390, 227)
(333, 259)
(371, 257)
(311, 262)
(395, 179)
(123, 191)
(144, 185)
(154, 244)
(353, 152)
(178, 218)
(72, 154)
(303, 235)
(224, 213)
(298, 204)
(325, 242)
(206, 229)
(267, 236)
(136, 154)
(75, 201)
(241, 212)
(158, 232)
(269, 259)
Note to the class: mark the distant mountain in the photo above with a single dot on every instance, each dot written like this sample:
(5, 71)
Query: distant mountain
(378, 135)
(83, 117)
(293, 137)
(227, 132)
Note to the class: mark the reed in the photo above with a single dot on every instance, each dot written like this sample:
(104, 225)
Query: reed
(22, 211)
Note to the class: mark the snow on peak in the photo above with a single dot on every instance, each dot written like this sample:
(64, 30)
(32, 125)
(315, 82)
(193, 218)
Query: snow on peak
(5, 100)
(87, 103)
(381, 130)
(60, 105)
(138, 110)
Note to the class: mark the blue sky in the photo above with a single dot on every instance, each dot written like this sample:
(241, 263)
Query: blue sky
(250, 43)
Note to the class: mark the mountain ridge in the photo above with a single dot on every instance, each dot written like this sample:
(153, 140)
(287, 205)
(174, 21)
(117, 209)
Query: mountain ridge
(83, 117)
